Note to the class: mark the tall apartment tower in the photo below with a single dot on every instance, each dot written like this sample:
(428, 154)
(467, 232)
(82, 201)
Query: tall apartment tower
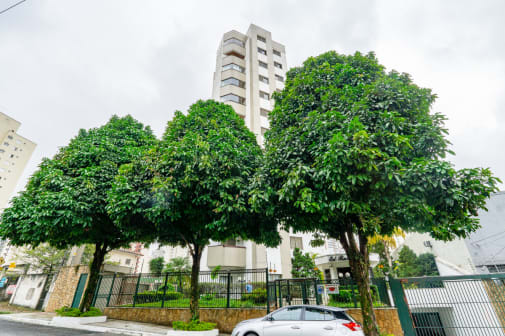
(249, 69)
(15, 151)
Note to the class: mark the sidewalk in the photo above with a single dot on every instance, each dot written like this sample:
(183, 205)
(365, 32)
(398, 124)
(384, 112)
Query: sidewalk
(110, 326)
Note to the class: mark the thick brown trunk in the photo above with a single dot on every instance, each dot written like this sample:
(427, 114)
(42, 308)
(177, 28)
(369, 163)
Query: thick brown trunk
(194, 306)
(359, 262)
(94, 272)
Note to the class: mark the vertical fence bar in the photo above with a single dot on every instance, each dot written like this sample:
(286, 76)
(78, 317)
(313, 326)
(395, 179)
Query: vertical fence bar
(136, 289)
(280, 293)
(228, 284)
(318, 301)
(289, 294)
(96, 290)
(268, 290)
(164, 291)
(110, 290)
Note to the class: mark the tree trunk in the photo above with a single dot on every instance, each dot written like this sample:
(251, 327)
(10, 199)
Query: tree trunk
(360, 263)
(194, 306)
(94, 272)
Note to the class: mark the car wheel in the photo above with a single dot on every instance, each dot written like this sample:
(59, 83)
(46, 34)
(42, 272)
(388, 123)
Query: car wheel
(251, 334)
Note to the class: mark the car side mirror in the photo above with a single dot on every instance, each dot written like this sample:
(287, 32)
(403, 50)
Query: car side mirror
(269, 318)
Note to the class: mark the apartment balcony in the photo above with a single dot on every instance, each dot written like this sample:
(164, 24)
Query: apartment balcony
(234, 50)
(226, 256)
(233, 73)
(239, 108)
(233, 59)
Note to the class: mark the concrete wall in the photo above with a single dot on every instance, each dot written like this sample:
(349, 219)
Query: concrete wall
(64, 287)
(28, 290)
(226, 319)
(460, 304)
(485, 245)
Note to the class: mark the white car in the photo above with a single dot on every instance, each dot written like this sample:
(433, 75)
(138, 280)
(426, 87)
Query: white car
(304, 320)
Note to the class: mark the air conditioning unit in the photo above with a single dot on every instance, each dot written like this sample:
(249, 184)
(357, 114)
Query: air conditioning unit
(332, 258)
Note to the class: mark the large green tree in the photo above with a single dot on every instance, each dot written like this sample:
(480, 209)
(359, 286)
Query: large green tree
(194, 186)
(304, 266)
(65, 200)
(353, 151)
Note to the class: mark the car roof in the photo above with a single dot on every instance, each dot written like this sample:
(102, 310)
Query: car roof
(320, 307)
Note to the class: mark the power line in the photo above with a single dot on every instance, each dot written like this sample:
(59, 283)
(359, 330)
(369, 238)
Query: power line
(16, 4)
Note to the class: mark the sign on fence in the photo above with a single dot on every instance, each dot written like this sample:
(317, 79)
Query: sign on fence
(331, 288)
(3, 282)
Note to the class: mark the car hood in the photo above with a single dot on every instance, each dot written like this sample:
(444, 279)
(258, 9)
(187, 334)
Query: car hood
(251, 320)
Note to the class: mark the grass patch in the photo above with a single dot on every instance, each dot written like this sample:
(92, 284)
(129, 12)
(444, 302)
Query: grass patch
(210, 303)
(75, 312)
(193, 325)
(2, 312)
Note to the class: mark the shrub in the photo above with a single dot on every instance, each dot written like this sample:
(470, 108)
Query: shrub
(207, 297)
(152, 296)
(193, 325)
(258, 296)
(170, 288)
(75, 312)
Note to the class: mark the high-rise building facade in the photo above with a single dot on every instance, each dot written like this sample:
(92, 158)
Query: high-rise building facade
(250, 67)
(15, 151)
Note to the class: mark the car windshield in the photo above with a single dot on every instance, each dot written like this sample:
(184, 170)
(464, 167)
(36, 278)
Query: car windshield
(287, 314)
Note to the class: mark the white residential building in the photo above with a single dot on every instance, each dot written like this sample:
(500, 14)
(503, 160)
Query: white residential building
(15, 152)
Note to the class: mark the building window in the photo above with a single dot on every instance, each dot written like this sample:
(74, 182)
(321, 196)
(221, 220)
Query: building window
(2, 151)
(263, 64)
(264, 95)
(279, 78)
(127, 261)
(296, 242)
(233, 81)
(264, 79)
(234, 40)
(6, 144)
(277, 65)
(233, 66)
(496, 268)
(262, 51)
(262, 39)
(233, 98)
(10, 137)
(277, 53)
(264, 112)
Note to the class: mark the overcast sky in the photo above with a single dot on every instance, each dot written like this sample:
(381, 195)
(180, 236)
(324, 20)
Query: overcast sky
(71, 64)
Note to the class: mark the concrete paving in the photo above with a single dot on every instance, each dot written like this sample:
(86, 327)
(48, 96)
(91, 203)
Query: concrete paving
(10, 328)
(42, 320)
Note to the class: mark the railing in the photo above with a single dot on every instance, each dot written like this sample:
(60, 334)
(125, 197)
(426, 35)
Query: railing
(224, 289)
(285, 292)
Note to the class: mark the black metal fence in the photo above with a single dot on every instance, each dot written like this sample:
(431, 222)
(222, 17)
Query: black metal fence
(341, 292)
(224, 289)
(229, 289)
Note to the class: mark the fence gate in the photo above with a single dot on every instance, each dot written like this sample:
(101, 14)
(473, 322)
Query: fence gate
(472, 305)
(79, 291)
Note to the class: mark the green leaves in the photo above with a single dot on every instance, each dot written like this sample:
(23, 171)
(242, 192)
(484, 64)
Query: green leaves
(194, 186)
(351, 142)
(65, 201)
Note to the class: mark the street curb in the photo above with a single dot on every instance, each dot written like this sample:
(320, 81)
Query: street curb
(78, 326)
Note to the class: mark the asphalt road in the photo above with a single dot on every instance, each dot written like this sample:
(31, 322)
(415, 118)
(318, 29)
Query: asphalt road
(9, 328)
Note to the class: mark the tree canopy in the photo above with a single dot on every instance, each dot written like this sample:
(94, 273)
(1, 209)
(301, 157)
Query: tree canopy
(65, 200)
(354, 151)
(193, 187)
(304, 266)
